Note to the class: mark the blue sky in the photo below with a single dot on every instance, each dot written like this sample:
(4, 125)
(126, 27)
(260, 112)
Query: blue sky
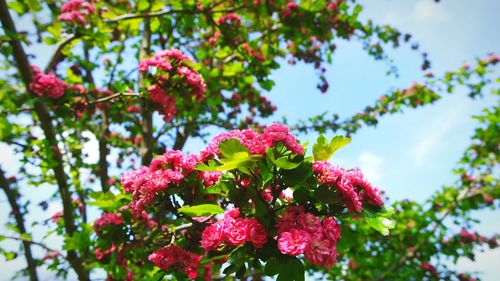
(409, 155)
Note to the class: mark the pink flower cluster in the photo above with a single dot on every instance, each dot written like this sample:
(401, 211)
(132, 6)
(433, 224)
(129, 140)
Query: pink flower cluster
(354, 188)
(171, 256)
(468, 236)
(47, 85)
(164, 102)
(255, 142)
(235, 231)
(76, 11)
(107, 219)
(428, 267)
(300, 232)
(57, 216)
(144, 183)
(169, 63)
(210, 178)
(99, 253)
(230, 19)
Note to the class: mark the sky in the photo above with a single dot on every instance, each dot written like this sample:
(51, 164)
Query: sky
(409, 155)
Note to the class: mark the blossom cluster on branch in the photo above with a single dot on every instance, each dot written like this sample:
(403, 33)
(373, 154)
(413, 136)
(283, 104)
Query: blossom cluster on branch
(244, 175)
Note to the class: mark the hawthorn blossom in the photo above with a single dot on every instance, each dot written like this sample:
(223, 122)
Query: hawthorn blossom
(212, 236)
(321, 252)
(304, 233)
(145, 183)
(47, 85)
(163, 67)
(107, 219)
(76, 11)
(294, 242)
(255, 142)
(57, 216)
(170, 256)
(230, 19)
(210, 178)
(233, 230)
(256, 233)
(338, 178)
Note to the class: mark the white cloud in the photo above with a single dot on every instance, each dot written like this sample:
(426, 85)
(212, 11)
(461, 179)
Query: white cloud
(371, 165)
(425, 12)
(433, 135)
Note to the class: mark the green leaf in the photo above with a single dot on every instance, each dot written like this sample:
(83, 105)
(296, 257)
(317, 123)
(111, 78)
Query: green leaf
(347, 240)
(298, 175)
(288, 268)
(231, 146)
(379, 220)
(237, 160)
(272, 267)
(301, 195)
(322, 150)
(282, 162)
(326, 195)
(211, 167)
(201, 210)
(17, 7)
(235, 156)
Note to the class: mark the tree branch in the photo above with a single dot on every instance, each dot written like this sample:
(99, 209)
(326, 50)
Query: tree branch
(12, 195)
(46, 123)
(147, 144)
(57, 56)
(29, 241)
(169, 12)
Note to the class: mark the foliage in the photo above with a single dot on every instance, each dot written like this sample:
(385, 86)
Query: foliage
(143, 77)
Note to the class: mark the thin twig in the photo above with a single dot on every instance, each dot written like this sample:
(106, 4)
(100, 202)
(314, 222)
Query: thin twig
(56, 56)
(30, 241)
(113, 96)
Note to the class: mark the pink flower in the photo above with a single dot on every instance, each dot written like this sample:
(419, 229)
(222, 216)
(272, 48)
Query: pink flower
(368, 193)
(289, 219)
(293, 243)
(230, 19)
(170, 256)
(51, 255)
(57, 216)
(145, 183)
(331, 229)
(47, 85)
(107, 219)
(280, 133)
(235, 231)
(133, 109)
(290, 7)
(255, 142)
(467, 235)
(207, 272)
(339, 178)
(232, 213)
(166, 64)
(257, 234)
(309, 223)
(210, 178)
(98, 254)
(428, 267)
(321, 252)
(212, 236)
(76, 11)
(165, 103)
